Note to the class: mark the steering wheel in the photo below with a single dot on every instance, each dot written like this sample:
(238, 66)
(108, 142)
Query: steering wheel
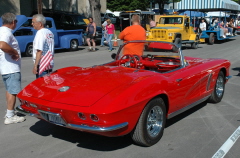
(129, 60)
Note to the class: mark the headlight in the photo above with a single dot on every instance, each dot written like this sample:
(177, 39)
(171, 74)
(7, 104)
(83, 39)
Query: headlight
(170, 34)
(147, 34)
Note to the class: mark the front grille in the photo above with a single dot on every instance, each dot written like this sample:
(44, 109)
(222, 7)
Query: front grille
(159, 34)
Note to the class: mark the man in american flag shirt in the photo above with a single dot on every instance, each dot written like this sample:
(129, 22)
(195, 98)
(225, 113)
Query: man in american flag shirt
(43, 47)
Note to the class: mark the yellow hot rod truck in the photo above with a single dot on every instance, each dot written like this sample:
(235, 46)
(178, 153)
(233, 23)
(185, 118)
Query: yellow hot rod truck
(175, 29)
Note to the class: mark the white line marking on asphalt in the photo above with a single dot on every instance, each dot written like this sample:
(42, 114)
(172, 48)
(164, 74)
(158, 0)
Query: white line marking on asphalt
(228, 144)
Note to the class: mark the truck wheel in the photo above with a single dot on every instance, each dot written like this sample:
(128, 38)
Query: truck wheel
(84, 40)
(151, 123)
(73, 45)
(219, 89)
(211, 39)
(195, 44)
(178, 42)
(29, 50)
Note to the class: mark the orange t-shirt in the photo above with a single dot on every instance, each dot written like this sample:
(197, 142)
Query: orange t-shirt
(131, 33)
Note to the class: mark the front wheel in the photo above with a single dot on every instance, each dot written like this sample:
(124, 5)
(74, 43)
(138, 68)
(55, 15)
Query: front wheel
(151, 123)
(219, 89)
(73, 45)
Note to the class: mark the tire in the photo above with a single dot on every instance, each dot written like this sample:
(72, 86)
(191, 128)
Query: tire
(149, 130)
(219, 89)
(29, 50)
(195, 44)
(178, 42)
(84, 40)
(73, 45)
(211, 39)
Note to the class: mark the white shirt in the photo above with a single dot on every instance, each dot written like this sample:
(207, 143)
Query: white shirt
(104, 24)
(44, 41)
(202, 26)
(7, 64)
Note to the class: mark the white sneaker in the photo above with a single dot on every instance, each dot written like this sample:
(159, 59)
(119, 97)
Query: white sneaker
(14, 119)
(224, 36)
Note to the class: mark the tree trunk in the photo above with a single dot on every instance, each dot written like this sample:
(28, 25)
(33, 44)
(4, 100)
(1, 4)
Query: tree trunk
(39, 6)
(95, 8)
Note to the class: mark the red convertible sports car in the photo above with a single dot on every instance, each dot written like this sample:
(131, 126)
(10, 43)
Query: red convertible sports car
(134, 94)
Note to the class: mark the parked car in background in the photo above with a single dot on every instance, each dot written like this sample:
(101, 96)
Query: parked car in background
(63, 39)
(71, 21)
(114, 19)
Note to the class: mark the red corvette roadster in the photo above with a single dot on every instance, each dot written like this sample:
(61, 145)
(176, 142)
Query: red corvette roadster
(134, 94)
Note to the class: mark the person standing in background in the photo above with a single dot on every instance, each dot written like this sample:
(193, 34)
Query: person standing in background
(104, 33)
(110, 28)
(10, 66)
(131, 33)
(91, 33)
(43, 47)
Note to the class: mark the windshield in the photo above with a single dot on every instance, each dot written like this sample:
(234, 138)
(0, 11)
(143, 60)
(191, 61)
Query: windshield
(171, 20)
(156, 56)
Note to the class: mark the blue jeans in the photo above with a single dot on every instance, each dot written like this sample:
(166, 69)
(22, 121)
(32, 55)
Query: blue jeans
(103, 37)
(109, 39)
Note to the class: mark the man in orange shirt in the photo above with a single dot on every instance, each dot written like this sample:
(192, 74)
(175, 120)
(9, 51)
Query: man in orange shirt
(131, 33)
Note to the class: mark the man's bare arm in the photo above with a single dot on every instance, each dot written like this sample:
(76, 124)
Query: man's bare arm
(7, 48)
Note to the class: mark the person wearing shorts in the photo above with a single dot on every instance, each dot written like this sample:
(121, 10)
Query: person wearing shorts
(10, 65)
(91, 33)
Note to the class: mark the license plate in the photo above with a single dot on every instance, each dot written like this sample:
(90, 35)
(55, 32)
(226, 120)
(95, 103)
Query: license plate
(53, 118)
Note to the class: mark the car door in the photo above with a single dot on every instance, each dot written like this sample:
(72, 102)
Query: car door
(184, 87)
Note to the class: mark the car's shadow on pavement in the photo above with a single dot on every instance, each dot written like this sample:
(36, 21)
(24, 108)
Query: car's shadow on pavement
(97, 142)
(237, 69)
(83, 139)
(185, 114)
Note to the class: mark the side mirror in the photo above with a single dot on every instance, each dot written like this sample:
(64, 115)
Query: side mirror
(187, 24)
(113, 55)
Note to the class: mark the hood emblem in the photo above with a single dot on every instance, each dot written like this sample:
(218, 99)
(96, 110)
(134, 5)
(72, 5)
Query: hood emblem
(64, 89)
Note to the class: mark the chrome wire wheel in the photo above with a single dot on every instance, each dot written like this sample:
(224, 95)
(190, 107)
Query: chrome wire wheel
(220, 86)
(154, 121)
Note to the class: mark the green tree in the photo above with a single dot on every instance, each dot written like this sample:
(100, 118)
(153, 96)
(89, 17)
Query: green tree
(238, 1)
(124, 5)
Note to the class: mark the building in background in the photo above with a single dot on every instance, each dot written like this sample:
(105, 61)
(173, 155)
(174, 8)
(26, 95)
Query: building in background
(26, 7)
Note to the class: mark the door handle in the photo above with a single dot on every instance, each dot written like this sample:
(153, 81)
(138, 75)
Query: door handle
(179, 80)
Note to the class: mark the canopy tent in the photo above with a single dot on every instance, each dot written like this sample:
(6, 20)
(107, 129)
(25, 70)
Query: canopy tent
(217, 14)
(193, 13)
(209, 5)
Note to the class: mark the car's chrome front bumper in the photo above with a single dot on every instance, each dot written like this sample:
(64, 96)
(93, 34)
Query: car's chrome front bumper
(82, 127)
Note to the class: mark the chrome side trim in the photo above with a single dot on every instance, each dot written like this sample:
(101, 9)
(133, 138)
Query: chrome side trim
(228, 77)
(187, 107)
(98, 129)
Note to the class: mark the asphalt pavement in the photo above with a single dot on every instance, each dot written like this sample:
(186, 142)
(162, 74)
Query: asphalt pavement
(197, 133)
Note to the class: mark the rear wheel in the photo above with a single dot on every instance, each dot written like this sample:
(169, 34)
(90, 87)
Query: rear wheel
(73, 45)
(151, 123)
(219, 89)
(29, 50)
(84, 40)
(211, 39)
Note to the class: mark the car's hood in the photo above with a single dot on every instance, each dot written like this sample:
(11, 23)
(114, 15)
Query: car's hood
(21, 20)
(86, 85)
